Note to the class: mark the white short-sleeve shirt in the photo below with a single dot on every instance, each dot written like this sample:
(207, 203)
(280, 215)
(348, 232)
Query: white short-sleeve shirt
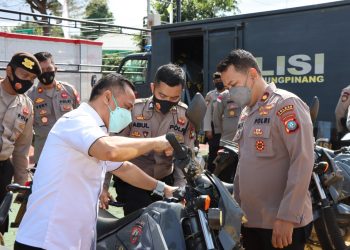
(62, 209)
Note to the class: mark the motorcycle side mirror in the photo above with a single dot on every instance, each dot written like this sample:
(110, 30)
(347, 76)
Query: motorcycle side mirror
(314, 109)
(196, 111)
(346, 137)
(93, 80)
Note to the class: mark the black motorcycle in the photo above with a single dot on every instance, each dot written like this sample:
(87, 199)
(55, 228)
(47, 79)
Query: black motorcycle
(203, 215)
(330, 193)
(7, 201)
(226, 161)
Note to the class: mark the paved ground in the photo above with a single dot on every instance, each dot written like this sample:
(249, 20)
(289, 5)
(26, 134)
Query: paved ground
(11, 235)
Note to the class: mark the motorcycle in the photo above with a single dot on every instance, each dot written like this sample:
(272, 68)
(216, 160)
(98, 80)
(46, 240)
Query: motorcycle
(330, 193)
(7, 201)
(226, 161)
(203, 215)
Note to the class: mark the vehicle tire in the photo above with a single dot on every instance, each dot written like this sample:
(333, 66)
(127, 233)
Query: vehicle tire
(333, 229)
(322, 235)
(328, 232)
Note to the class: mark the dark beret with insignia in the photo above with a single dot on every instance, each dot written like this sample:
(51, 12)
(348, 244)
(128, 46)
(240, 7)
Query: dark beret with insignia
(27, 62)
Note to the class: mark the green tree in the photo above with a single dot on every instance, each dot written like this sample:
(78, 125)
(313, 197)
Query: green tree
(111, 60)
(47, 7)
(96, 10)
(196, 9)
(36, 29)
(141, 41)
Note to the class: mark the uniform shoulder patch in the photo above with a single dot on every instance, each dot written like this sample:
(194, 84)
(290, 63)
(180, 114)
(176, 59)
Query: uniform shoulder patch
(285, 109)
(291, 124)
(220, 98)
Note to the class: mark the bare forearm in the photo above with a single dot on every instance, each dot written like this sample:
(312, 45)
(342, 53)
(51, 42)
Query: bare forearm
(116, 148)
(134, 176)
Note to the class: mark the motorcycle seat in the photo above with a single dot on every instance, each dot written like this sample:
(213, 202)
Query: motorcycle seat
(108, 223)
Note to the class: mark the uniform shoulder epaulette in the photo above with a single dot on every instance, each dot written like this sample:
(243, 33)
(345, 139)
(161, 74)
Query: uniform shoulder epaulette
(211, 91)
(182, 105)
(346, 89)
(285, 94)
(68, 86)
(140, 100)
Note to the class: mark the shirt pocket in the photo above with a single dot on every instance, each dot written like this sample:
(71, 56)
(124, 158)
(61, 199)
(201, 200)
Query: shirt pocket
(261, 141)
(42, 110)
(232, 110)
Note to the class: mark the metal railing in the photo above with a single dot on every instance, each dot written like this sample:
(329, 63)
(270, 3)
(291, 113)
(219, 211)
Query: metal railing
(73, 23)
(79, 68)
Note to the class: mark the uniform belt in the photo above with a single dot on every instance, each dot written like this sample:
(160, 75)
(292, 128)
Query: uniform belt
(3, 162)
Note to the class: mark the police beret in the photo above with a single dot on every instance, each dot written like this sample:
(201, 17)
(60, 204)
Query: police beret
(27, 62)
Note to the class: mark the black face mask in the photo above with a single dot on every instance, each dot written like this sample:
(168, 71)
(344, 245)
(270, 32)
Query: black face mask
(19, 85)
(163, 105)
(219, 86)
(47, 78)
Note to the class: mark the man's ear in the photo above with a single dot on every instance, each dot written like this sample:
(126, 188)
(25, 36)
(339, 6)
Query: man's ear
(253, 73)
(9, 70)
(152, 87)
(107, 96)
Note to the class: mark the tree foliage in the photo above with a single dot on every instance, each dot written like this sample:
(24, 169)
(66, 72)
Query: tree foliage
(196, 9)
(96, 10)
(47, 7)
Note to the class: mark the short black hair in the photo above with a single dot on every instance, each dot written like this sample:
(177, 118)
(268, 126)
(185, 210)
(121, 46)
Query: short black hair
(43, 56)
(112, 80)
(241, 59)
(171, 74)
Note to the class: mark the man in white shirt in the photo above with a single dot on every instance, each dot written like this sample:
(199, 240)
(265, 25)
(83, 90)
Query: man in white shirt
(62, 209)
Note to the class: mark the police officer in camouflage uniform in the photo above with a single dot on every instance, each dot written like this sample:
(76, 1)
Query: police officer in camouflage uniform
(275, 137)
(227, 113)
(16, 115)
(51, 100)
(151, 117)
(212, 124)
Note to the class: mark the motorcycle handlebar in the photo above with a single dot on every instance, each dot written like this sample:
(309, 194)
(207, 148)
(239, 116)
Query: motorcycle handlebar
(180, 153)
(17, 188)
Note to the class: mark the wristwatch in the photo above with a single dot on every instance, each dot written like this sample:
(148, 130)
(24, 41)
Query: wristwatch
(159, 190)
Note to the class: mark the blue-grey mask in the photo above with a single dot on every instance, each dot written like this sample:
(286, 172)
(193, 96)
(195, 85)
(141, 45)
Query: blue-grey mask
(118, 118)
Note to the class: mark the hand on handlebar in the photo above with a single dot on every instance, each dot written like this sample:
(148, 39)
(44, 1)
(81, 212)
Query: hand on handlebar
(169, 152)
(162, 144)
(169, 190)
(105, 197)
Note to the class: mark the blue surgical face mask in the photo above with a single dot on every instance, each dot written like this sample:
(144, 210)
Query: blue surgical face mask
(118, 118)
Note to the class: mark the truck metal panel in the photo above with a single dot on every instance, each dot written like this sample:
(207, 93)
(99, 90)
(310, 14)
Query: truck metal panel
(305, 50)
